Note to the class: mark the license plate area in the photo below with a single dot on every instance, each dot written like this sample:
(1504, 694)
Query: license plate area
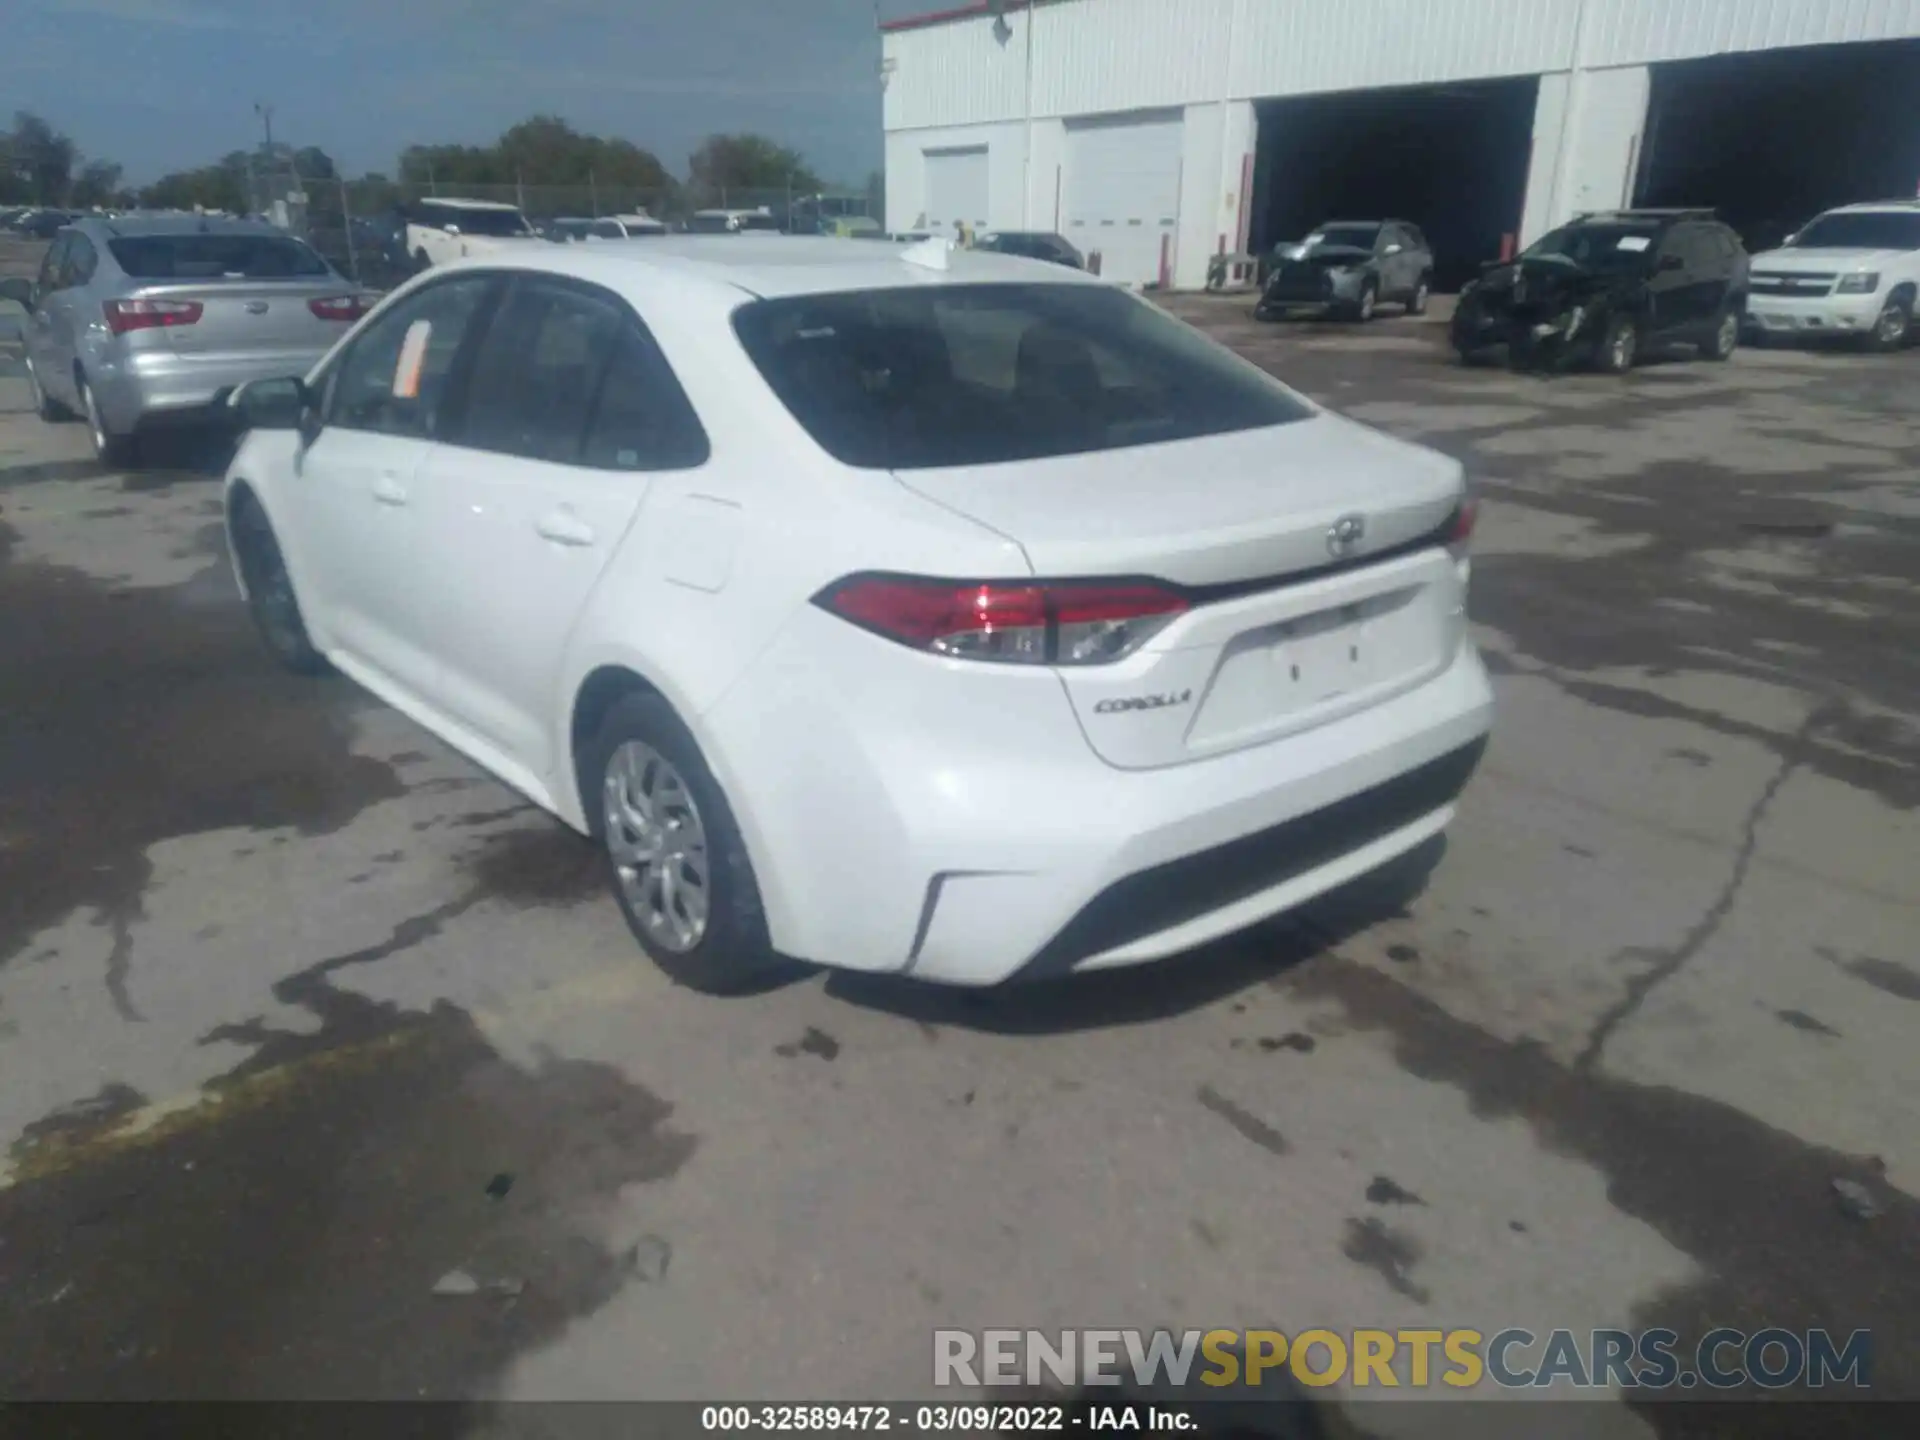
(1308, 669)
(1320, 656)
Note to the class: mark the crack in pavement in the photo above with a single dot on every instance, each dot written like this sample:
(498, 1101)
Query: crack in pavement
(1669, 963)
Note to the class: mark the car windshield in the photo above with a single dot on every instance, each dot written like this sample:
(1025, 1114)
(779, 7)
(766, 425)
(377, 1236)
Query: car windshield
(478, 222)
(1596, 247)
(919, 378)
(1862, 230)
(215, 257)
(1343, 237)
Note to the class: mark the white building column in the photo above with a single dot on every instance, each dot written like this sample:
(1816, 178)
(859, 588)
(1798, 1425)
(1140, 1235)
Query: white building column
(1607, 110)
(1216, 167)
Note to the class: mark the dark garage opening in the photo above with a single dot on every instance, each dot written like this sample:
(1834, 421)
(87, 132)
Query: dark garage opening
(1450, 158)
(1772, 138)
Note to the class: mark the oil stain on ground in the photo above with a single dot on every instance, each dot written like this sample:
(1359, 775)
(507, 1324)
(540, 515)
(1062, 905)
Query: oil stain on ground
(1752, 1205)
(283, 1241)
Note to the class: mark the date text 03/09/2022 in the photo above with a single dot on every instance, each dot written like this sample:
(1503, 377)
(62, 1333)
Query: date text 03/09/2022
(957, 1417)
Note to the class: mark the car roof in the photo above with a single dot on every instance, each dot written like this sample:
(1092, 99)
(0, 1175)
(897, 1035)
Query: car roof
(136, 226)
(1875, 207)
(455, 203)
(776, 266)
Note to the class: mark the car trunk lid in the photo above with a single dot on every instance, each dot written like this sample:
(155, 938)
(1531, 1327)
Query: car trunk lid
(253, 316)
(1311, 554)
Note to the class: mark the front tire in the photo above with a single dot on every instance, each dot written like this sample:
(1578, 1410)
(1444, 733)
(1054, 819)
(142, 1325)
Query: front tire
(678, 866)
(1619, 346)
(1890, 329)
(44, 405)
(270, 595)
(116, 452)
(1726, 337)
(1369, 300)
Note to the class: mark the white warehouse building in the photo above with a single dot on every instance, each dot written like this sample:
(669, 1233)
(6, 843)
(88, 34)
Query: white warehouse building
(1154, 134)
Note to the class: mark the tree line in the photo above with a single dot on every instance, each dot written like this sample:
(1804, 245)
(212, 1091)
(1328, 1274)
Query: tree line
(41, 165)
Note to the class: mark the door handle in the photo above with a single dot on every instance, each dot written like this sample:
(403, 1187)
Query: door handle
(388, 490)
(563, 527)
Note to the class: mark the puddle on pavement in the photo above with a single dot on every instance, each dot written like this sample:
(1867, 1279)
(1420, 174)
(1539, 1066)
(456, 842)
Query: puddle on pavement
(130, 718)
(284, 1239)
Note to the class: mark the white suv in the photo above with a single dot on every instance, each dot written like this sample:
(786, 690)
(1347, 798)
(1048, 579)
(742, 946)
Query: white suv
(1852, 271)
(440, 230)
(947, 615)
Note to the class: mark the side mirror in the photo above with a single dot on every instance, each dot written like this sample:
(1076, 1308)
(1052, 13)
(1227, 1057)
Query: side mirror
(451, 229)
(1793, 239)
(1672, 262)
(1393, 249)
(280, 404)
(18, 290)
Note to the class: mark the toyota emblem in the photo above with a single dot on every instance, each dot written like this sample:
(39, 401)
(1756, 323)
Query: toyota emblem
(1345, 534)
(256, 307)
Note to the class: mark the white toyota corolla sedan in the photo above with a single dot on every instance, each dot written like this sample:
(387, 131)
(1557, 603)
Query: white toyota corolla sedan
(934, 613)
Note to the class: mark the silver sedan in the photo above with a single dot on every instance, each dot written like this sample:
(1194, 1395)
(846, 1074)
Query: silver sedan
(135, 324)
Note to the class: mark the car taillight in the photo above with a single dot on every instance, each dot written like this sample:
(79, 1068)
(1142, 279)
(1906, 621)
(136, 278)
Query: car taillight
(1038, 622)
(125, 315)
(339, 307)
(1460, 527)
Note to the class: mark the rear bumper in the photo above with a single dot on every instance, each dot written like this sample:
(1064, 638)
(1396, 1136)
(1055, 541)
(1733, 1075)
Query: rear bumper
(150, 389)
(956, 826)
(1813, 315)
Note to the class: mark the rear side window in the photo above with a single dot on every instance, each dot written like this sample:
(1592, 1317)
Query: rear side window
(536, 371)
(642, 419)
(922, 377)
(82, 261)
(216, 257)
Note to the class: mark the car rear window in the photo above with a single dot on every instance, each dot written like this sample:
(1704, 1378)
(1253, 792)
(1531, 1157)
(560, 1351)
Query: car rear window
(921, 377)
(215, 257)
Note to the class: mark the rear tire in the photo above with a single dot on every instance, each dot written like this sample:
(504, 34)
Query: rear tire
(270, 595)
(1726, 336)
(116, 452)
(421, 264)
(1417, 302)
(1890, 329)
(676, 862)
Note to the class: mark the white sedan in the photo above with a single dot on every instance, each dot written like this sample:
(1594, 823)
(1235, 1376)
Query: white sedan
(914, 611)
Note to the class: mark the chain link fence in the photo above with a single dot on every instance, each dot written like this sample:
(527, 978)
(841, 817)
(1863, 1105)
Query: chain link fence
(360, 224)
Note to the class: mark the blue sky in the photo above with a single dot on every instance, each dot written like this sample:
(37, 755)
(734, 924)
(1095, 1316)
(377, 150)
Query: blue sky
(161, 85)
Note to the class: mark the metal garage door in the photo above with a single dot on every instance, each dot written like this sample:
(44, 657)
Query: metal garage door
(956, 189)
(1122, 192)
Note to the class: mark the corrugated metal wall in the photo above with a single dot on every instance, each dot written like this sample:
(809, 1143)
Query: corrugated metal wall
(1139, 54)
(1099, 56)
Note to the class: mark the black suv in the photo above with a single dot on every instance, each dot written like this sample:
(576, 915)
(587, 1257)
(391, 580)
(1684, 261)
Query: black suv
(1605, 288)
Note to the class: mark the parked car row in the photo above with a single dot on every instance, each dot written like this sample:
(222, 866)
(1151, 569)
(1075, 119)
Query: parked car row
(1605, 288)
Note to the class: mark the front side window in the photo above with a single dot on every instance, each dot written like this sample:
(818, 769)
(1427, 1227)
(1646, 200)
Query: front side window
(916, 378)
(608, 230)
(393, 379)
(1862, 230)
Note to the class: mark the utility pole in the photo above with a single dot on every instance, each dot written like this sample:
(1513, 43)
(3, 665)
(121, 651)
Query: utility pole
(265, 112)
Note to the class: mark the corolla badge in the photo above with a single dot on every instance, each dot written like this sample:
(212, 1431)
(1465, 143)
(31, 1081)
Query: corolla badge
(1143, 702)
(1345, 535)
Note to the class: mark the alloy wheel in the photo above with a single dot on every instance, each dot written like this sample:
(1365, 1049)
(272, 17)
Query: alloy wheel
(658, 845)
(1621, 348)
(1729, 333)
(1891, 325)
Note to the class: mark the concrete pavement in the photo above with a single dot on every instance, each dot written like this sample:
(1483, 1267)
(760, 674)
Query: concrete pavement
(285, 985)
